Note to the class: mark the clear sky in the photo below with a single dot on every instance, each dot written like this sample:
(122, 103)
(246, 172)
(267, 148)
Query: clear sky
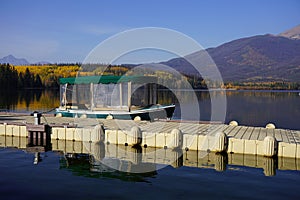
(66, 30)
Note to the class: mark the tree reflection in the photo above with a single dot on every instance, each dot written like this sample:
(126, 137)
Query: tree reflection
(28, 100)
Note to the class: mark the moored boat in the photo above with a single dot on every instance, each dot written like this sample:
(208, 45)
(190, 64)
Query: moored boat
(118, 97)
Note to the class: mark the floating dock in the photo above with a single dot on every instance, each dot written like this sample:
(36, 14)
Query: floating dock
(194, 136)
(129, 159)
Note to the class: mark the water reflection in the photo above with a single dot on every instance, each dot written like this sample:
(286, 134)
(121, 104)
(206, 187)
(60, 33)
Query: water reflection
(252, 108)
(96, 159)
(258, 108)
(85, 165)
(28, 100)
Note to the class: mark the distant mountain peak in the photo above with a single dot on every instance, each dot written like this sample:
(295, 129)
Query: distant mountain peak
(13, 60)
(9, 57)
(293, 33)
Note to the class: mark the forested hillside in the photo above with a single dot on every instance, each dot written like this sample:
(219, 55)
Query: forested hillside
(33, 76)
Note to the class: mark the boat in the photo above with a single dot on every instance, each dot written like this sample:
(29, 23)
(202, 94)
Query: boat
(107, 96)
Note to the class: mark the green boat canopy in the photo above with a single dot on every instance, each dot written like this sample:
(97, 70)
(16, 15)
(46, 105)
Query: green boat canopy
(107, 79)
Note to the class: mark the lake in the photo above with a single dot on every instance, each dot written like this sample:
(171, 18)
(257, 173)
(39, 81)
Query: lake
(79, 176)
(228, 176)
(252, 108)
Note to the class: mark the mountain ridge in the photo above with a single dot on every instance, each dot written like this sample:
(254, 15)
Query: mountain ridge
(19, 61)
(258, 58)
(13, 60)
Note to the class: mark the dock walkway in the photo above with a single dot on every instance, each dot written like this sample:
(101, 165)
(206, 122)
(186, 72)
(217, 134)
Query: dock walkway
(160, 134)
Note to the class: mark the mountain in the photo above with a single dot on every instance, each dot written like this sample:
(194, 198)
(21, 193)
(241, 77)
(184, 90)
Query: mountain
(293, 33)
(20, 61)
(13, 60)
(257, 58)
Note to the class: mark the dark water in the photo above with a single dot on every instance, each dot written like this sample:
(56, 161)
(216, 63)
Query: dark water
(55, 178)
(254, 108)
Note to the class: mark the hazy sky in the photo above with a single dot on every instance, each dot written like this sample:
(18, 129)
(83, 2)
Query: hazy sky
(66, 31)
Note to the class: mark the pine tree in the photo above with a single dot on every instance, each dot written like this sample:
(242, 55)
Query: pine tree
(38, 82)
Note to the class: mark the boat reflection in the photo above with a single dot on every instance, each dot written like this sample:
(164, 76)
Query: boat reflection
(96, 159)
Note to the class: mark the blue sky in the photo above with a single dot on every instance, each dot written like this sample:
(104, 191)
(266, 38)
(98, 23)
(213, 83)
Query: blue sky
(66, 31)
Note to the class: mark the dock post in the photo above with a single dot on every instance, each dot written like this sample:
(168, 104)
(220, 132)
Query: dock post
(178, 138)
(136, 135)
(270, 146)
(30, 137)
(221, 142)
(37, 118)
(38, 135)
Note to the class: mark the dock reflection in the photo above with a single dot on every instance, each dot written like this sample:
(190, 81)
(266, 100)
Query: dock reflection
(98, 159)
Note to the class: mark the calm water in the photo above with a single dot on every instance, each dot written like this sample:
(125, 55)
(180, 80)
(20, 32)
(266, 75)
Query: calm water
(56, 177)
(254, 108)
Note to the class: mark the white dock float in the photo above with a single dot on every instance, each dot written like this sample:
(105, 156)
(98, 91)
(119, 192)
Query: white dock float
(241, 139)
(151, 156)
(158, 134)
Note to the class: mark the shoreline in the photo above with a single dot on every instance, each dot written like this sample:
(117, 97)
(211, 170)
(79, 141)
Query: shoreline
(234, 89)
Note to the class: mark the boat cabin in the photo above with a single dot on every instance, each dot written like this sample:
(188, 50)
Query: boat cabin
(108, 92)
